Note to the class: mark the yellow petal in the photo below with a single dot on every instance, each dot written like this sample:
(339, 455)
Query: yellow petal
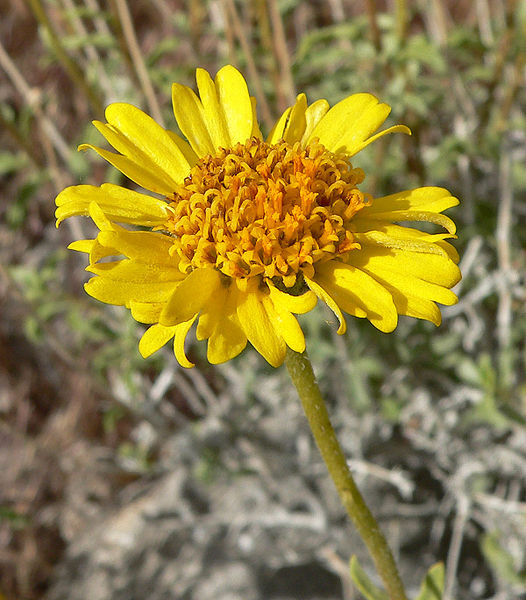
(285, 325)
(434, 268)
(292, 123)
(145, 140)
(313, 116)
(413, 244)
(124, 281)
(369, 232)
(226, 336)
(181, 331)
(450, 250)
(276, 134)
(409, 285)
(155, 337)
(146, 178)
(227, 341)
(94, 248)
(412, 296)
(143, 247)
(347, 127)
(356, 147)
(188, 112)
(258, 328)
(98, 252)
(430, 199)
(396, 232)
(417, 308)
(414, 215)
(190, 296)
(351, 306)
(100, 219)
(227, 108)
(354, 289)
(212, 114)
(235, 104)
(324, 296)
(297, 122)
(212, 313)
(82, 246)
(119, 204)
(184, 147)
(146, 312)
(296, 304)
(255, 125)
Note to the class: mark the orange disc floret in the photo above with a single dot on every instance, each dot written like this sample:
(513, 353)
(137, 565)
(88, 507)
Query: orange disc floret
(267, 210)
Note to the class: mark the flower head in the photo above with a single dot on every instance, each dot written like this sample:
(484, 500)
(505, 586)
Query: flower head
(244, 233)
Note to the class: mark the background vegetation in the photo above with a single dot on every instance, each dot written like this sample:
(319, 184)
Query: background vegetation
(129, 478)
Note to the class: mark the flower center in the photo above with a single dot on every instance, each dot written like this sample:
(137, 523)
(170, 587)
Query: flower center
(269, 210)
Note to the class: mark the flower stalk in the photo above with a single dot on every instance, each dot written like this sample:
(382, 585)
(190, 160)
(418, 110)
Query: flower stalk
(302, 375)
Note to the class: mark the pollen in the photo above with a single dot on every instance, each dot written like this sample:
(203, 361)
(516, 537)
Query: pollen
(265, 210)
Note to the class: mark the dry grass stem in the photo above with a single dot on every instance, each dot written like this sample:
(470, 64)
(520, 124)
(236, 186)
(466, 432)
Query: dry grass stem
(100, 23)
(459, 526)
(69, 65)
(503, 238)
(282, 55)
(137, 60)
(255, 78)
(92, 55)
(32, 97)
(371, 8)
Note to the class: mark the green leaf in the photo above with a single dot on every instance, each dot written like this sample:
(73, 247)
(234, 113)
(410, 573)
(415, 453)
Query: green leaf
(10, 163)
(501, 560)
(364, 584)
(15, 520)
(102, 41)
(432, 587)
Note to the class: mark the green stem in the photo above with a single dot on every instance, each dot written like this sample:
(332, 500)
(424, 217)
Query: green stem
(300, 370)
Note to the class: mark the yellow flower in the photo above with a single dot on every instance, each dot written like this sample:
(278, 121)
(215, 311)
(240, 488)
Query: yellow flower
(246, 232)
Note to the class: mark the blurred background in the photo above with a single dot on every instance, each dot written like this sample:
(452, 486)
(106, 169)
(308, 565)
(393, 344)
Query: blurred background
(128, 479)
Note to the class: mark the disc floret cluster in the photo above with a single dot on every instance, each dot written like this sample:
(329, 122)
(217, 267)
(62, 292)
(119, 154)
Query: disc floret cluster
(265, 210)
